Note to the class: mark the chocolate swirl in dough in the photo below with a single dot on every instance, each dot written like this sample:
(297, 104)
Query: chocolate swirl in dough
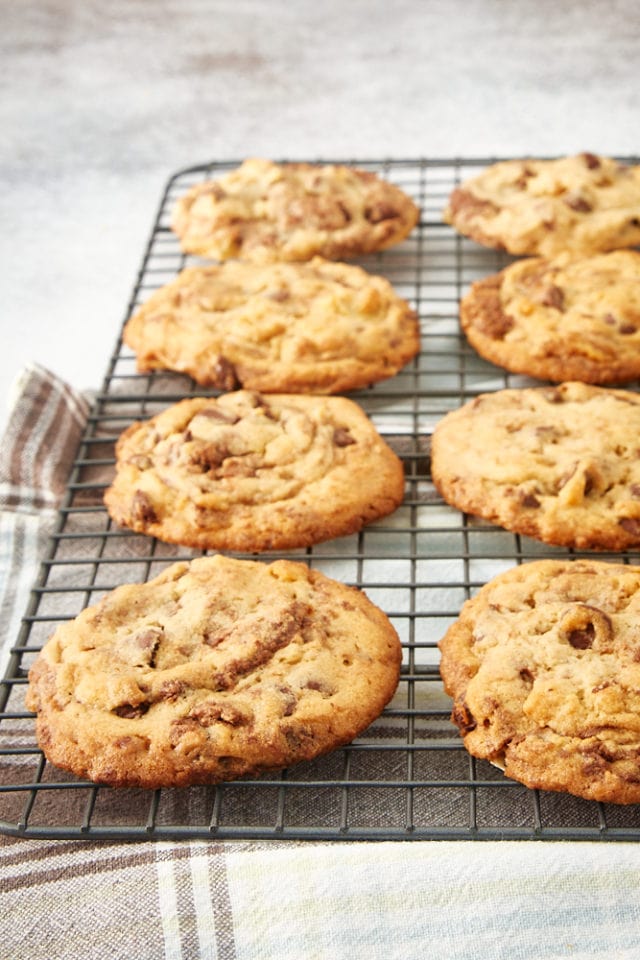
(215, 669)
(251, 473)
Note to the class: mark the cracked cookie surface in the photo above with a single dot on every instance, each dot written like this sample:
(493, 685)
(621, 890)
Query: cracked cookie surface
(557, 320)
(317, 327)
(559, 464)
(266, 211)
(580, 204)
(215, 669)
(251, 473)
(543, 665)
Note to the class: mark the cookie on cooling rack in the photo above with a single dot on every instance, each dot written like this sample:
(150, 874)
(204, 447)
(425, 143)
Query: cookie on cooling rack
(580, 204)
(318, 327)
(543, 666)
(251, 473)
(560, 320)
(211, 671)
(266, 211)
(559, 464)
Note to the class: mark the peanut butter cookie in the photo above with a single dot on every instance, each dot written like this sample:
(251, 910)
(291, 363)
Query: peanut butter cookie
(559, 464)
(580, 204)
(559, 320)
(214, 670)
(251, 473)
(266, 211)
(543, 665)
(317, 327)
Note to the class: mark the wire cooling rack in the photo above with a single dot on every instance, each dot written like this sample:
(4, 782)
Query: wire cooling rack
(408, 776)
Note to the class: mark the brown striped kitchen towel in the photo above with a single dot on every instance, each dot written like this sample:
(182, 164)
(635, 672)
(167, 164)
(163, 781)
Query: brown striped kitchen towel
(42, 433)
(41, 438)
(73, 900)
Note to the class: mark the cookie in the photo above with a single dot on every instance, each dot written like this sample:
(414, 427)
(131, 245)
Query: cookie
(543, 666)
(580, 204)
(214, 670)
(265, 211)
(559, 464)
(317, 327)
(251, 473)
(559, 320)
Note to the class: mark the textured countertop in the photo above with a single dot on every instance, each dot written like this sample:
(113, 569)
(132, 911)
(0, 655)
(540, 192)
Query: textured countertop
(103, 102)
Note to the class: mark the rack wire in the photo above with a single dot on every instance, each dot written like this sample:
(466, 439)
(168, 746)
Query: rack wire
(406, 777)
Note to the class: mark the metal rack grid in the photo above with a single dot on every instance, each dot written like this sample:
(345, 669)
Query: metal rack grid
(408, 776)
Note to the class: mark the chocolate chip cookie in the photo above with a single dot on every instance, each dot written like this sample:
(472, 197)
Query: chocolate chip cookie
(215, 669)
(317, 327)
(560, 320)
(251, 473)
(543, 665)
(265, 211)
(559, 464)
(580, 204)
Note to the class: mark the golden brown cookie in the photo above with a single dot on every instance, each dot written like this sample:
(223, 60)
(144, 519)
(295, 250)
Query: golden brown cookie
(266, 211)
(318, 327)
(543, 665)
(560, 320)
(580, 204)
(211, 671)
(559, 463)
(251, 473)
